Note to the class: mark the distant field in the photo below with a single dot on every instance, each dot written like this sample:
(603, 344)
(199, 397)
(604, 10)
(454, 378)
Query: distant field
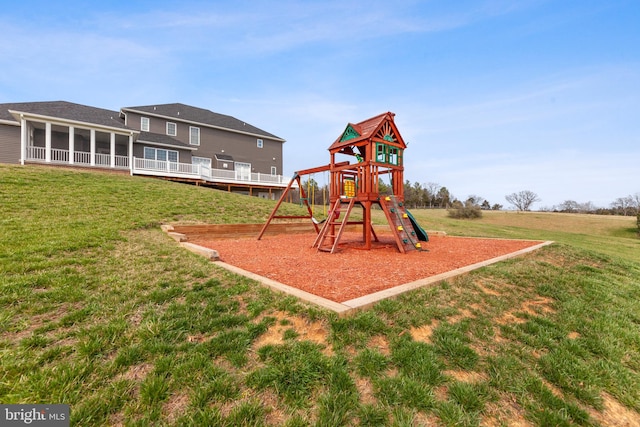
(602, 225)
(102, 311)
(615, 235)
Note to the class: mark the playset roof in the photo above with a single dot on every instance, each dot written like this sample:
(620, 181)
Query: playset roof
(361, 133)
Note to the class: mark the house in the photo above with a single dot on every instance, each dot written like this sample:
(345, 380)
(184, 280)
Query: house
(171, 141)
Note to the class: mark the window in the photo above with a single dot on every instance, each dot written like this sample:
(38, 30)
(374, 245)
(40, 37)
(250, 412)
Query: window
(381, 153)
(398, 156)
(260, 143)
(160, 154)
(144, 124)
(194, 135)
(149, 153)
(172, 129)
(393, 155)
(274, 170)
(388, 154)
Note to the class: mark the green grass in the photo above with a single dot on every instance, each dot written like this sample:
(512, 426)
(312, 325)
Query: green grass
(610, 235)
(100, 310)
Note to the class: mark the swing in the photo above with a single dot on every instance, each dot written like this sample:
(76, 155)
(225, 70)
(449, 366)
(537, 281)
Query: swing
(313, 199)
(324, 194)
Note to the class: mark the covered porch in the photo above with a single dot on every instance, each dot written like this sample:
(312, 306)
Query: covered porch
(73, 144)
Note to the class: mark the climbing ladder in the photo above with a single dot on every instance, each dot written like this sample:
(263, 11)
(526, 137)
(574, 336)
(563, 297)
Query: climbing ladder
(399, 220)
(326, 241)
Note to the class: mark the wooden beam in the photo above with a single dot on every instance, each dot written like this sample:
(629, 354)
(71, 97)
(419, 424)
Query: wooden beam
(319, 168)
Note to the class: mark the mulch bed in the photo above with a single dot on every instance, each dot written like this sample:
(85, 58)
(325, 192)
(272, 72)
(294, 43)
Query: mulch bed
(353, 272)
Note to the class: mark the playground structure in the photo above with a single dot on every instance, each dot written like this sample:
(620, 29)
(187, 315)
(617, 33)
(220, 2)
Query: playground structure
(378, 148)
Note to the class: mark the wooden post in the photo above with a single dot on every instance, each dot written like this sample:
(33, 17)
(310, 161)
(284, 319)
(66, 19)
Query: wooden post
(366, 223)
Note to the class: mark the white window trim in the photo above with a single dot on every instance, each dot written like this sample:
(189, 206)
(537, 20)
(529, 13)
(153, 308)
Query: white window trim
(259, 143)
(191, 128)
(143, 121)
(146, 149)
(274, 170)
(155, 154)
(175, 127)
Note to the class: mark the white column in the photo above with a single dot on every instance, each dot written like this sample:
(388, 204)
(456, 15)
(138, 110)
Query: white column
(93, 147)
(72, 144)
(112, 150)
(47, 142)
(131, 154)
(23, 140)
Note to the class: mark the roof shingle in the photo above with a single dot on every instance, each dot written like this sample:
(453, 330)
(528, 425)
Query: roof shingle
(65, 110)
(188, 113)
(160, 139)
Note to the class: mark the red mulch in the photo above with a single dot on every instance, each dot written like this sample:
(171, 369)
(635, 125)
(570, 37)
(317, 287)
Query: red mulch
(353, 272)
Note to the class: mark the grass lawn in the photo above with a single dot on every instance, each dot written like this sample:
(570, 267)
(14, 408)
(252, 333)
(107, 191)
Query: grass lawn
(102, 311)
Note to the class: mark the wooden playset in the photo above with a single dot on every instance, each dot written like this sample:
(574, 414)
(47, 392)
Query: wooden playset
(378, 149)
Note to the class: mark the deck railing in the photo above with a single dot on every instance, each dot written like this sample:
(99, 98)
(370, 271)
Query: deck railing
(59, 156)
(103, 159)
(164, 167)
(36, 153)
(196, 171)
(156, 167)
(80, 158)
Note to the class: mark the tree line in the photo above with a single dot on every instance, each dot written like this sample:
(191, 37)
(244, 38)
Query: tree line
(625, 206)
(432, 195)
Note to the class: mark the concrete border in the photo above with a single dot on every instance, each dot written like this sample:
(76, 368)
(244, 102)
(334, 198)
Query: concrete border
(368, 300)
(365, 301)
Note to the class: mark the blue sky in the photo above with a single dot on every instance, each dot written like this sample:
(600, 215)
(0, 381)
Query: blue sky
(493, 96)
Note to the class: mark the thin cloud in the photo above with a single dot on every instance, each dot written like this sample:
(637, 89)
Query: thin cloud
(259, 28)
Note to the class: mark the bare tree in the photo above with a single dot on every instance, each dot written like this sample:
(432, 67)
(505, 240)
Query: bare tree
(587, 207)
(635, 201)
(522, 200)
(475, 200)
(623, 205)
(432, 189)
(568, 206)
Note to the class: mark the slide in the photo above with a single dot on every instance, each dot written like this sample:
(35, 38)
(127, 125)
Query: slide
(422, 235)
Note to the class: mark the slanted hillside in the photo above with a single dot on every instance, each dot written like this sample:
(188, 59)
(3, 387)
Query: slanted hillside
(102, 311)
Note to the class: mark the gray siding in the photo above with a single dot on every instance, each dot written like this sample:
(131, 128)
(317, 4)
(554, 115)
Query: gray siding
(9, 143)
(243, 148)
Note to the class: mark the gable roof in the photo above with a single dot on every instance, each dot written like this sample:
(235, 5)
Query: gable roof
(201, 116)
(381, 126)
(68, 111)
